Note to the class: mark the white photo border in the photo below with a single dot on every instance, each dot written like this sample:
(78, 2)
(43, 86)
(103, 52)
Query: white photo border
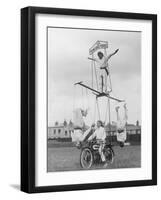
(93, 176)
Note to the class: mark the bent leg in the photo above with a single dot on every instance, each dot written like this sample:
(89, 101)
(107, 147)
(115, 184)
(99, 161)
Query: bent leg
(117, 113)
(125, 112)
(85, 135)
(101, 153)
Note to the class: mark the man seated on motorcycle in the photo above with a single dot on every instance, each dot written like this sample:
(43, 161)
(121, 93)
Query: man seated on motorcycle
(100, 135)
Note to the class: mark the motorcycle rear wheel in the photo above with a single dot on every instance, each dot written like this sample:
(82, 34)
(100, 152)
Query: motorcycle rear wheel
(109, 154)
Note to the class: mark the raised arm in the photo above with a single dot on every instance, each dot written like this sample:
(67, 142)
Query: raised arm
(103, 134)
(110, 55)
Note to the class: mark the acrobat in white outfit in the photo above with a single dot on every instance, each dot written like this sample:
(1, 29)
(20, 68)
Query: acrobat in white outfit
(121, 126)
(80, 129)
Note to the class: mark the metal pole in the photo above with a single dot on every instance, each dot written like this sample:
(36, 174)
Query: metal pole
(109, 120)
(92, 65)
(102, 83)
(99, 116)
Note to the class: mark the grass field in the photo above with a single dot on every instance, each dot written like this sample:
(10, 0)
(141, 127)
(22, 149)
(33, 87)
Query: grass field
(67, 158)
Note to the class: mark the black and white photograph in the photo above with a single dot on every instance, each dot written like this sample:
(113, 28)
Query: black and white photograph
(93, 99)
(89, 106)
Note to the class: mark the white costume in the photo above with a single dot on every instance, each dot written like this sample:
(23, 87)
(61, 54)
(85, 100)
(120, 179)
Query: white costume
(78, 118)
(79, 124)
(103, 62)
(121, 126)
(78, 135)
(100, 135)
(121, 137)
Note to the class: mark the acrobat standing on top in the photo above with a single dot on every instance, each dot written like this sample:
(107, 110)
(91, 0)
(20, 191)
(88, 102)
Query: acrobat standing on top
(121, 126)
(103, 60)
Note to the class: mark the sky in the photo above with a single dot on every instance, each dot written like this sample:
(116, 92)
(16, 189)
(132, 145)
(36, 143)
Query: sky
(68, 63)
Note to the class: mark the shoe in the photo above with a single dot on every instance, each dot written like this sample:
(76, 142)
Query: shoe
(78, 144)
(105, 165)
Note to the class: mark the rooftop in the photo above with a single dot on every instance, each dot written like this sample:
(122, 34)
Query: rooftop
(112, 126)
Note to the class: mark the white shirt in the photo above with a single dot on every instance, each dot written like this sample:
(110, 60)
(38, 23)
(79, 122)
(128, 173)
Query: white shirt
(103, 62)
(99, 134)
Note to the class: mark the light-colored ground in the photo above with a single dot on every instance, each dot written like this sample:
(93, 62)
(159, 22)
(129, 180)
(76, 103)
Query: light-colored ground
(67, 158)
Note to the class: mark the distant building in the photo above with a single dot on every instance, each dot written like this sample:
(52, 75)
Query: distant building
(62, 130)
(130, 128)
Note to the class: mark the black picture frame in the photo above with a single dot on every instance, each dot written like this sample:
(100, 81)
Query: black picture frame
(28, 91)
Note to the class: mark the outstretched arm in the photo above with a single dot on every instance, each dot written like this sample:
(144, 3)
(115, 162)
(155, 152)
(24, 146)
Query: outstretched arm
(94, 59)
(112, 54)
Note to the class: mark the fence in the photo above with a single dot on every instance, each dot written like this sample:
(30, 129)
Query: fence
(133, 137)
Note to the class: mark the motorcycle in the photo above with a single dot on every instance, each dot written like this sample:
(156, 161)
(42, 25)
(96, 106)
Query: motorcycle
(90, 154)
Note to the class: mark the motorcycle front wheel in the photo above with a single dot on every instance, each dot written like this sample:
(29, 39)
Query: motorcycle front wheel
(86, 158)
